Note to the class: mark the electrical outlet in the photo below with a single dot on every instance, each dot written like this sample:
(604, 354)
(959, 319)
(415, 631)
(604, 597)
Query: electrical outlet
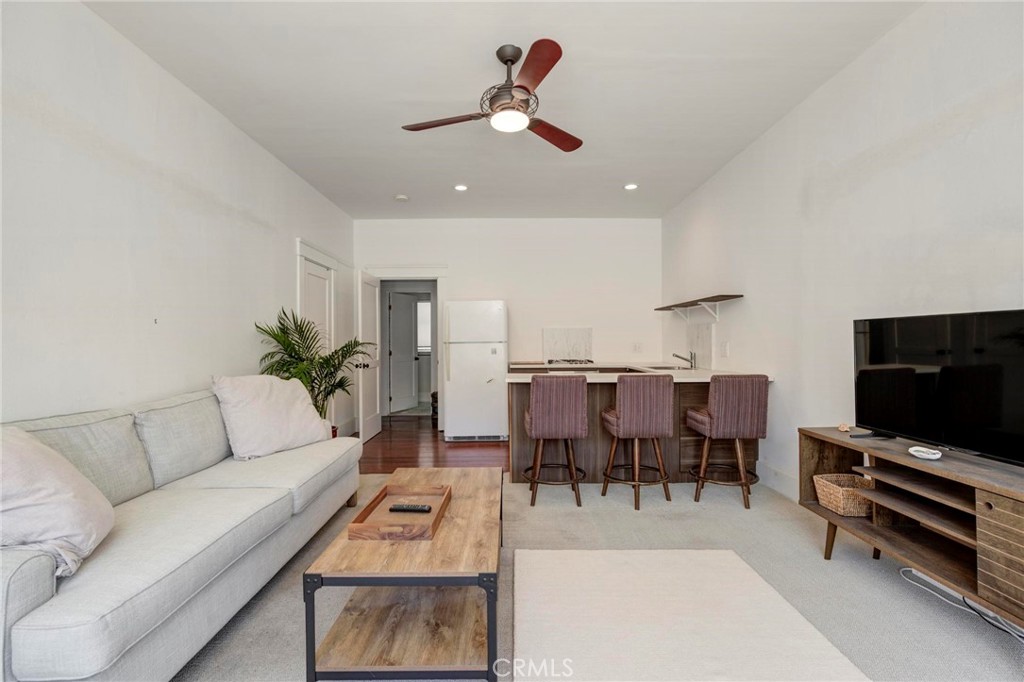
(637, 347)
(724, 349)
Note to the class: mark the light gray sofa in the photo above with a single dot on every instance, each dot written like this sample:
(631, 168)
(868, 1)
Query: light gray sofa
(196, 535)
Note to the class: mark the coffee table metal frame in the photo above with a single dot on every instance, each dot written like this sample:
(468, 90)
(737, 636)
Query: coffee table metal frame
(312, 582)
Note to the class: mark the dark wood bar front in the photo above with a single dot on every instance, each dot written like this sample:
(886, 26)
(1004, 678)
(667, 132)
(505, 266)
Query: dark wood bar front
(681, 451)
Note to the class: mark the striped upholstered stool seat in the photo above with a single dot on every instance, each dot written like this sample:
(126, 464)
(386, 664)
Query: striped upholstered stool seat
(737, 409)
(558, 411)
(642, 411)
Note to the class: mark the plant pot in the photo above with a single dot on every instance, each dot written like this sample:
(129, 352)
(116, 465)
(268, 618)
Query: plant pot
(334, 431)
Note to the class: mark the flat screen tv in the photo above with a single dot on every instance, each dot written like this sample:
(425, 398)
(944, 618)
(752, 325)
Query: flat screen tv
(951, 380)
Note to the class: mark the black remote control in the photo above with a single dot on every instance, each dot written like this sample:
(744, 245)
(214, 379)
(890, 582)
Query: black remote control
(413, 508)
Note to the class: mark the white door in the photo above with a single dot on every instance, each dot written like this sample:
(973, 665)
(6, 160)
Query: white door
(316, 301)
(369, 367)
(402, 357)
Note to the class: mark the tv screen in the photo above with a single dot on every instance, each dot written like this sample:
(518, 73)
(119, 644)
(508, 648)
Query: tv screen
(952, 380)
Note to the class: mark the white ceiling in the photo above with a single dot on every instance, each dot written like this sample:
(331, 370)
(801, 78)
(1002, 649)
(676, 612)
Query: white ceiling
(662, 94)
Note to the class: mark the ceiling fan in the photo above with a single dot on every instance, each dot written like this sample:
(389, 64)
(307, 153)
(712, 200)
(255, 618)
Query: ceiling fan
(512, 106)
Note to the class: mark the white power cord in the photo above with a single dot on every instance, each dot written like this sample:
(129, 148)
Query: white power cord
(939, 591)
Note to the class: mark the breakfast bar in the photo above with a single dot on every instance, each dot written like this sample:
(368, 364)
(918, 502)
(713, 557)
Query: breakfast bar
(681, 451)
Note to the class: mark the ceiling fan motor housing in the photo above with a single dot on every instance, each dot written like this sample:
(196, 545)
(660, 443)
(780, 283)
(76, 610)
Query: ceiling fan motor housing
(501, 97)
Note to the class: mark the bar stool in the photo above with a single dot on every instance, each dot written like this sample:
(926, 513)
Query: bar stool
(643, 409)
(558, 410)
(737, 408)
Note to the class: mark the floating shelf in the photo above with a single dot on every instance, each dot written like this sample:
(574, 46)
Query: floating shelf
(708, 303)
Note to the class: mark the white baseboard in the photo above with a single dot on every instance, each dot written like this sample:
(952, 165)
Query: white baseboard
(778, 481)
(347, 427)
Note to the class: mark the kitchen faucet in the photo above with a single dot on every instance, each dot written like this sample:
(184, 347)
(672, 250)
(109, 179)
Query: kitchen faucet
(692, 359)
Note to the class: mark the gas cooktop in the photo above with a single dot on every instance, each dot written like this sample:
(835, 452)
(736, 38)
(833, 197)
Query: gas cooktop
(570, 361)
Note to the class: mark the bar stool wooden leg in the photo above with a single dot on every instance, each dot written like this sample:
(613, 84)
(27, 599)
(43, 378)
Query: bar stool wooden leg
(742, 464)
(571, 459)
(661, 467)
(537, 456)
(636, 474)
(611, 462)
(705, 453)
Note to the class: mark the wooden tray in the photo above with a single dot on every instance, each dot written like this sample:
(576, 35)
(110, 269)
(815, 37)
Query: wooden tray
(375, 522)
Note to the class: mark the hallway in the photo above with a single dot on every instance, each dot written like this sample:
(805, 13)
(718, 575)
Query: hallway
(414, 442)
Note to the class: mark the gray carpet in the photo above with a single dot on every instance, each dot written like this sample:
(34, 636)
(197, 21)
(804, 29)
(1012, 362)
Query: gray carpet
(889, 628)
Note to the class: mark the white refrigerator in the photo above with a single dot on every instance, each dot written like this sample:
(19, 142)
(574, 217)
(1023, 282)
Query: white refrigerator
(475, 364)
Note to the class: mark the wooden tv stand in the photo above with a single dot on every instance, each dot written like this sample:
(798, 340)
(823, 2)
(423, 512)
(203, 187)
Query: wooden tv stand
(959, 520)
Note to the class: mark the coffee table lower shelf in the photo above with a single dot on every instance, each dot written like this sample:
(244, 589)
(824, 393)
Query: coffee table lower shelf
(406, 628)
(394, 630)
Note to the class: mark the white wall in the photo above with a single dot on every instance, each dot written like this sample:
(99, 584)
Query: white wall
(603, 274)
(895, 189)
(143, 233)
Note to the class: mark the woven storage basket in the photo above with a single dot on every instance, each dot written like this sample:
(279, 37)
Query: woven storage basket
(838, 493)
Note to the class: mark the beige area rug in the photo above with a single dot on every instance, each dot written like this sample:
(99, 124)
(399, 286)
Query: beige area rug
(618, 615)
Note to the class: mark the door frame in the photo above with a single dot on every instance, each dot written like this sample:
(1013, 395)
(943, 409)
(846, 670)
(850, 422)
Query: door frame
(438, 273)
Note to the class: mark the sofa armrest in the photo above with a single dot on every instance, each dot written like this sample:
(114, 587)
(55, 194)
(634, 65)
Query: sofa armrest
(27, 581)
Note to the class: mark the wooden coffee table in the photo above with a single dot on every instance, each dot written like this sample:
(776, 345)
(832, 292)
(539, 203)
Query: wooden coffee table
(412, 616)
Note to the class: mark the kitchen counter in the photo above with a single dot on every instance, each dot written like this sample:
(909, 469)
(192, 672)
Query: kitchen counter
(681, 450)
(608, 373)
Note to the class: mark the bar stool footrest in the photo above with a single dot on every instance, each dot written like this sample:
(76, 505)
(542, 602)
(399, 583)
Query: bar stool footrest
(529, 478)
(752, 478)
(629, 481)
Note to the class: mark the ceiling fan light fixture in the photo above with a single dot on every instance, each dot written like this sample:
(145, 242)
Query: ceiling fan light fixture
(509, 121)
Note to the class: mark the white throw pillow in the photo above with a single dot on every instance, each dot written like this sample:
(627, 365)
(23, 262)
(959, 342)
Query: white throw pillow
(265, 414)
(47, 504)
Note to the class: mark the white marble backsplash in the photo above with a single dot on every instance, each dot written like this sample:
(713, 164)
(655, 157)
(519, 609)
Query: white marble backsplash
(567, 343)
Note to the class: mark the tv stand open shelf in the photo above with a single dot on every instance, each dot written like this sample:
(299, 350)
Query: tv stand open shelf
(958, 520)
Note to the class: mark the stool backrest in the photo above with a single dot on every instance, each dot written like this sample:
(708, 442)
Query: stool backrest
(558, 406)
(644, 403)
(738, 405)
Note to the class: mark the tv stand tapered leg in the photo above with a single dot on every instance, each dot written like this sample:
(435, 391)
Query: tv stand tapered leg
(830, 539)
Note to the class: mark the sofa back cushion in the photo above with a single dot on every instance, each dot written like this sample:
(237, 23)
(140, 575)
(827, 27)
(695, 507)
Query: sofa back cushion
(182, 435)
(102, 445)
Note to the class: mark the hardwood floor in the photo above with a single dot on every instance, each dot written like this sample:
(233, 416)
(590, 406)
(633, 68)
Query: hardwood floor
(413, 442)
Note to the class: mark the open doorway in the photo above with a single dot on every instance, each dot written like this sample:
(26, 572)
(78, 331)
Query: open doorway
(408, 347)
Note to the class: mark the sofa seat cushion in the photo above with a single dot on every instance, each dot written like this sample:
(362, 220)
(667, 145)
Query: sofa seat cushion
(305, 471)
(165, 547)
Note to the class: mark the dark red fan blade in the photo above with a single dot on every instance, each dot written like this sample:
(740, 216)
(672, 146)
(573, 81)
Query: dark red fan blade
(556, 136)
(426, 125)
(543, 55)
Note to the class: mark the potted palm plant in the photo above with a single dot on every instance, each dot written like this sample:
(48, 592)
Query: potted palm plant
(299, 352)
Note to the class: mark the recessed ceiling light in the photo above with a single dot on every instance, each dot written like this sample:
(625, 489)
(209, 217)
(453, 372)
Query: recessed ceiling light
(461, 188)
(630, 187)
(401, 197)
